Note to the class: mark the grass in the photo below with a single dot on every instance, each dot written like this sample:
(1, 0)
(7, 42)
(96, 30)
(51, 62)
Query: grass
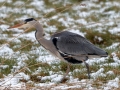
(59, 25)
(106, 40)
(9, 63)
(36, 69)
(2, 41)
(112, 8)
(28, 48)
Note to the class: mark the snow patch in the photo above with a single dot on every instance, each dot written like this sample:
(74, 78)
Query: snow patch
(5, 51)
(114, 30)
(112, 84)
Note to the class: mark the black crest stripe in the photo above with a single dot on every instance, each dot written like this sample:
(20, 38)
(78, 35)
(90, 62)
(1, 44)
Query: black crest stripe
(29, 19)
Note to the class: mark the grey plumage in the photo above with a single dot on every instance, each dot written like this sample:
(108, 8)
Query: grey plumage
(77, 46)
(67, 46)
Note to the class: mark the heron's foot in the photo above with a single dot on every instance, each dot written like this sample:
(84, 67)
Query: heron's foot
(89, 77)
(64, 79)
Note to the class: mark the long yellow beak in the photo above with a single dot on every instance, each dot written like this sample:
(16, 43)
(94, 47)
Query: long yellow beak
(16, 26)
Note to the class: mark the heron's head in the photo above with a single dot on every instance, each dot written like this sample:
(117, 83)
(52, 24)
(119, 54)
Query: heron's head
(27, 23)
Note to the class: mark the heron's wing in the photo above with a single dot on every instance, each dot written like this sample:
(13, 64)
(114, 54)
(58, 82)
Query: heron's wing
(76, 45)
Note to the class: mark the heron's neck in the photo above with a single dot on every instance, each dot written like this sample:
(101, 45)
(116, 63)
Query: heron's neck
(39, 34)
(39, 30)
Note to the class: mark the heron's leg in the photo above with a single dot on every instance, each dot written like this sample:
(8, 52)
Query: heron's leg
(67, 71)
(88, 70)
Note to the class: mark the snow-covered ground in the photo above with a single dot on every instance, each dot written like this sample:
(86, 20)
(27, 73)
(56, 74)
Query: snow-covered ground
(83, 12)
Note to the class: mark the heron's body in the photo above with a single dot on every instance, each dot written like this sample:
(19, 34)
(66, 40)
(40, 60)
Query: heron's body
(67, 46)
(74, 48)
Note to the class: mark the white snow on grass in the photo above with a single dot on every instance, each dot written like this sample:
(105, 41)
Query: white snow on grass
(5, 51)
(10, 80)
(48, 58)
(110, 72)
(115, 58)
(19, 3)
(13, 81)
(2, 0)
(98, 73)
(3, 66)
(4, 27)
(53, 78)
(96, 60)
(77, 32)
(81, 21)
(113, 46)
(38, 4)
(114, 30)
(112, 84)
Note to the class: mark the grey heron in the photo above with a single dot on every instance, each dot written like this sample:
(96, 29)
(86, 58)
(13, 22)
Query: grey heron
(67, 46)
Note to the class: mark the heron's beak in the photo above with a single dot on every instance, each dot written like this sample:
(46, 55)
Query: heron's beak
(16, 26)
(21, 26)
